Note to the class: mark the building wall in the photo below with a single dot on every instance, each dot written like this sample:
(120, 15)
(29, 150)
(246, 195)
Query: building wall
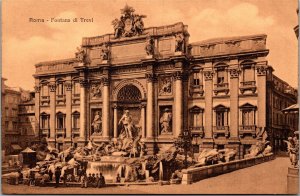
(218, 89)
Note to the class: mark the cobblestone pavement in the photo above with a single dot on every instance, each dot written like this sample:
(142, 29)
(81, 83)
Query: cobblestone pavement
(265, 178)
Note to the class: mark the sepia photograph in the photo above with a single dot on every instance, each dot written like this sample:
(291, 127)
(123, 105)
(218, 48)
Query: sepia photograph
(149, 97)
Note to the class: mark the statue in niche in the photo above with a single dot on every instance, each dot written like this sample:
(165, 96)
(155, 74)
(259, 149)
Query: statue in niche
(166, 87)
(179, 41)
(165, 121)
(126, 121)
(97, 124)
(95, 91)
(104, 51)
(149, 47)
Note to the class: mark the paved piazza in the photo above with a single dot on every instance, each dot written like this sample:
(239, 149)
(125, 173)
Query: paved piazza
(265, 178)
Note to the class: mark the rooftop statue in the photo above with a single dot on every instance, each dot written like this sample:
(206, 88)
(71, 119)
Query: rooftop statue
(129, 24)
(82, 56)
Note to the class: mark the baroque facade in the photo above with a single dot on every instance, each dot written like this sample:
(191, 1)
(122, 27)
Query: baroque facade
(218, 89)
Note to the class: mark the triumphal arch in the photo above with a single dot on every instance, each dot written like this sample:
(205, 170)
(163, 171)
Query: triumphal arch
(153, 83)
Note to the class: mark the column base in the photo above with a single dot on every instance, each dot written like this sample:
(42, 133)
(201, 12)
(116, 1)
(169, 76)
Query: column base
(51, 142)
(81, 142)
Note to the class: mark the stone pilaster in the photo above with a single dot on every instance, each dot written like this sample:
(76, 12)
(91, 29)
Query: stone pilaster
(83, 113)
(37, 90)
(115, 107)
(208, 89)
(143, 119)
(234, 103)
(178, 101)
(150, 103)
(261, 91)
(68, 86)
(105, 109)
(52, 88)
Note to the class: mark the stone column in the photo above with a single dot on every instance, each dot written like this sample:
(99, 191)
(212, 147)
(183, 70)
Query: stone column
(261, 92)
(234, 103)
(208, 76)
(178, 104)
(52, 87)
(83, 122)
(115, 121)
(37, 89)
(105, 108)
(143, 120)
(68, 86)
(149, 120)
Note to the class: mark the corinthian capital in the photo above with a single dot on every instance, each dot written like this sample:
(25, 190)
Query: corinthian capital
(208, 74)
(52, 87)
(234, 72)
(261, 70)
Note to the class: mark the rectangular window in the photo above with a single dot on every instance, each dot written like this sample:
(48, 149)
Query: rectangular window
(248, 74)
(76, 119)
(76, 88)
(60, 89)
(60, 121)
(221, 77)
(15, 126)
(196, 80)
(45, 122)
(6, 112)
(220, 118)
(45, 90)
(6, 125)
(197, 120)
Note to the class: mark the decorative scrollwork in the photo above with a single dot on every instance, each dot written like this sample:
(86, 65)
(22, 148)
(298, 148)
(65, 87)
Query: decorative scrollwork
(52, 87)
(234, 73)
(261, 70)
(68, 86)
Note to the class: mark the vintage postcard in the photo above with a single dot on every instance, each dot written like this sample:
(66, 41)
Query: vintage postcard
(150, 97)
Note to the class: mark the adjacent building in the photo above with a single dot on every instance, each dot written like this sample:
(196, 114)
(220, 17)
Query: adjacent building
(222, 90)
(18, 119)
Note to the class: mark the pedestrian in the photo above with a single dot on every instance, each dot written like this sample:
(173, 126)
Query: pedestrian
(57, 176)
(102, 181)
(31, 178)
(118, 179)
(83, 181)
(97, 180)
(89, 180)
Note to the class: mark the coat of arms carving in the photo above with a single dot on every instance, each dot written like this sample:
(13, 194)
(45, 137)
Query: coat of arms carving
(129, 24)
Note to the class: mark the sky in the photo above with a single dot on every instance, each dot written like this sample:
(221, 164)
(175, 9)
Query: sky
(26, 43)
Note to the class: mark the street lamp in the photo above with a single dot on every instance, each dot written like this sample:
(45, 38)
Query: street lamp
(184, 141)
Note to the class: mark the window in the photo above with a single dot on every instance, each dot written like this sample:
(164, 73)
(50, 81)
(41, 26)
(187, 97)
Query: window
(6, 125)
(60, 120)
(248, 115)
(221, 75)
(60, 89)
(220, 120)
(196, 80)
(45, 121)
(248, 74)
(221, 116)
(76, 120)
(196, 117)
(6, 112)
(15, 126)
(14, 112)
(76, 88)
(45, 90)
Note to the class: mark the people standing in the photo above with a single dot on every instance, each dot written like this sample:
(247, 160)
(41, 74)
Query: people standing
(83, 181)
(118, 179)
(57, 176)
(101, 181)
